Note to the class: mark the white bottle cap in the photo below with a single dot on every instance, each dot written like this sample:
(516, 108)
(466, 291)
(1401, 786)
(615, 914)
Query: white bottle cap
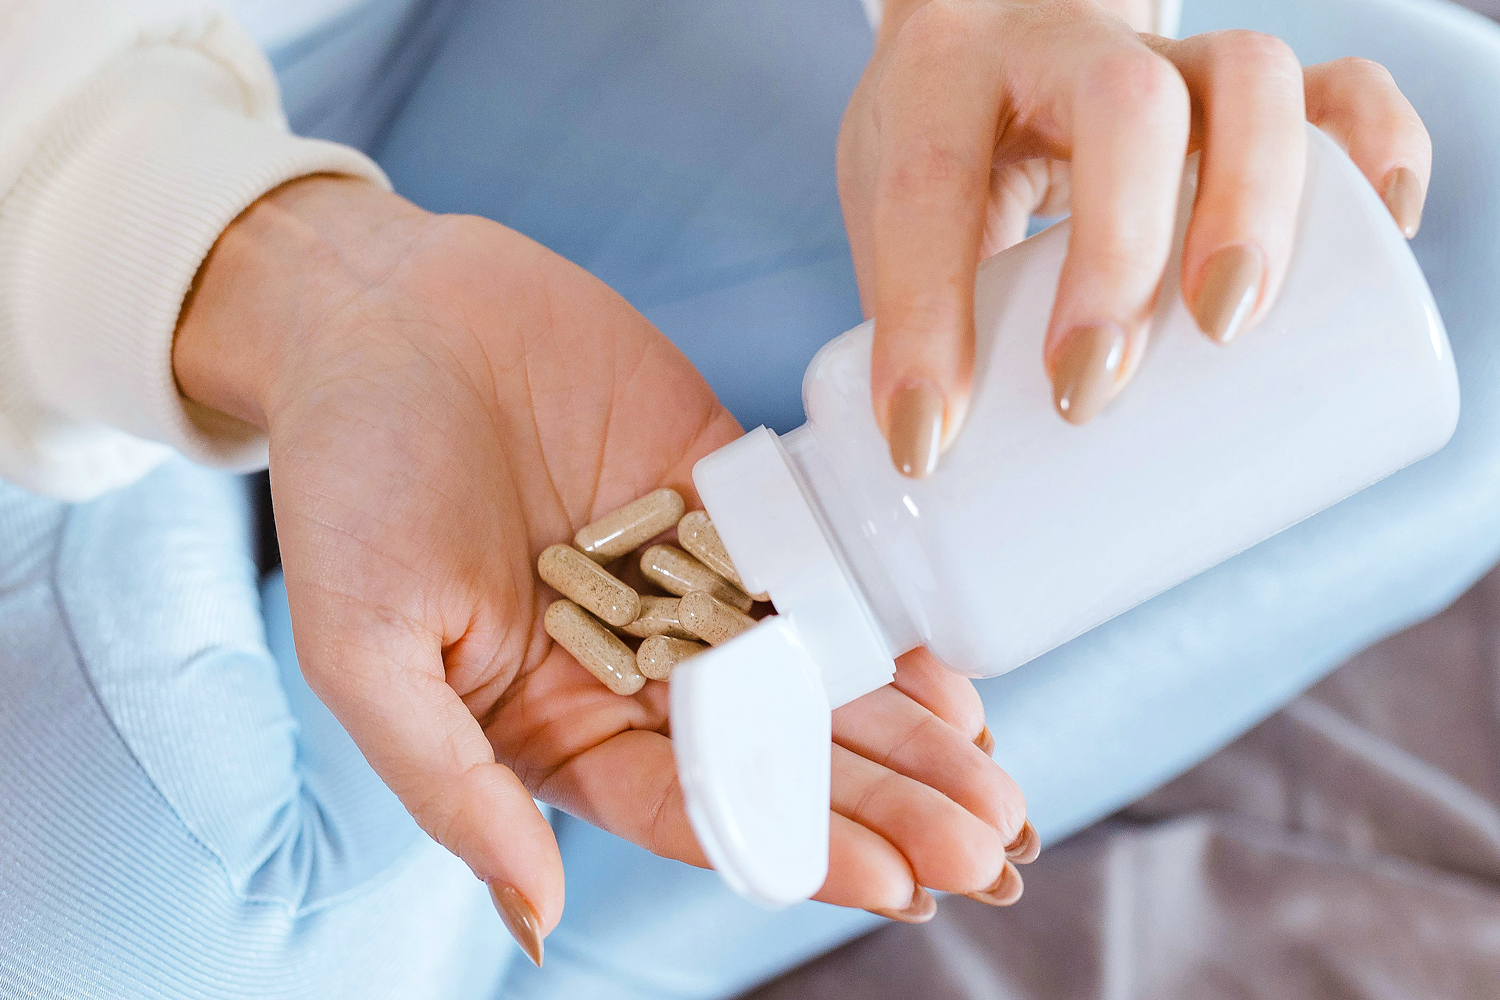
(751, 719)
(751, 731)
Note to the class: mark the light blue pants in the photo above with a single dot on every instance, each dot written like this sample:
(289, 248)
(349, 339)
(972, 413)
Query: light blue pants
(179, 817)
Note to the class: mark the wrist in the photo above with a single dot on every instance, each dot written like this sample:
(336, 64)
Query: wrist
(279, 277)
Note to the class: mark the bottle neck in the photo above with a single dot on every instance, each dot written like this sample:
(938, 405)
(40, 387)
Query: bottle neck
(768, 520)
(853, 537)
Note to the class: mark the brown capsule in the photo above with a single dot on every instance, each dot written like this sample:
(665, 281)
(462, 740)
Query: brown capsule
(697, 534)
(599, 650)
(710, 619)
(658, 617)
(676, 572)
(631, 526)
(660, 653)
(577, 577)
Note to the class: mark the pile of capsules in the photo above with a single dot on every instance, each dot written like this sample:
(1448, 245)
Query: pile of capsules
(708, 603)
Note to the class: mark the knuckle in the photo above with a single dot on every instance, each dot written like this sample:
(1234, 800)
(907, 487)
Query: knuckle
(1121, 254)
(1254, 51)
(938, 26)
(923, 166)
(1360, 71)
(1139, 79)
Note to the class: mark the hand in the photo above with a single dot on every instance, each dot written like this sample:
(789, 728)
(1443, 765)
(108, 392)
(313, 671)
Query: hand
(975, 114)
(444, 399)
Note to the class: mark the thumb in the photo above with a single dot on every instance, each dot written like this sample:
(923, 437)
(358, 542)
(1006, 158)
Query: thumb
(385, 680)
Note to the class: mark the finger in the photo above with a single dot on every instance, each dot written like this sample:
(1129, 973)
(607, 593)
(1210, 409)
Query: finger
(887, 727)
(936, 147)
(866, 871)
(386, 683)
(628, 786)
(1248, 87)
(923, 678)
(948, 847)
(1358, 103)
(1129, 128)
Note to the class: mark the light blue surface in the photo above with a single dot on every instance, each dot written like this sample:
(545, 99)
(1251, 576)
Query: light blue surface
(180, 818)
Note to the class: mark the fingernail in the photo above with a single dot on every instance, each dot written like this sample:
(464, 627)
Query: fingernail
(1006, 890)
(916, 420)
(986, 741)
(520, 919)
(1026, 847)
(1227, 292)
(922, 908)
(1403, 196)
(1087, 365)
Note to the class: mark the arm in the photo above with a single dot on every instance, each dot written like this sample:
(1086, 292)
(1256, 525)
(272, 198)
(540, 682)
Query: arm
(131, 134)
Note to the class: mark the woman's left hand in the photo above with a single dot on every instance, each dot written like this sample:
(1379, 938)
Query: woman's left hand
(973, 115)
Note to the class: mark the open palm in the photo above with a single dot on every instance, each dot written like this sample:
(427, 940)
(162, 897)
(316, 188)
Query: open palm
(458, 399)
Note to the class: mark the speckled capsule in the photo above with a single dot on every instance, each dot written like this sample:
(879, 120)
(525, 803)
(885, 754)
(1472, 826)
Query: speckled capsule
(676, 572)
(658, 617)
(631, 526)
(598, 649)
(660, 653)
(710, 619)
(577, 577)
(697, 534)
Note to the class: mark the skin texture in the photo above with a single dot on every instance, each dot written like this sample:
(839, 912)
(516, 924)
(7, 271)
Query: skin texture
(445, 398)
(973, 115)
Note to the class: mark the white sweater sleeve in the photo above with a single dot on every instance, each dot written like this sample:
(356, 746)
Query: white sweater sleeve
(132, 132)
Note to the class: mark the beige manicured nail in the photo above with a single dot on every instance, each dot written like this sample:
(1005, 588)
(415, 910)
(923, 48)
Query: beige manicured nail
(676, 572)
(916, 423)
(985, 741)
(520, 919)
(1027, 846)
(659, 654)
(580, 579)
(697, 534)
(1083, 377)
(710, 619)
(631, 526)
(1228, 290)
(1403, 196)
(1006, 890)
(922, 908)
(658, 617)
(598, 649)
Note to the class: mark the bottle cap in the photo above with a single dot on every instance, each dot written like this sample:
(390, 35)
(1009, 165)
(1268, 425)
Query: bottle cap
(751, 730)
(751, 719)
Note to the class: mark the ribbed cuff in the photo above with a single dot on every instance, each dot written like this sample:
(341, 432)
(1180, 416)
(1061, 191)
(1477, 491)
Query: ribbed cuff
(107, 228)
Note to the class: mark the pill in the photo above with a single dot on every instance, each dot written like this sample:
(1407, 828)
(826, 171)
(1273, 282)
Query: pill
(676, 572)
(658, 617)
(577, 577)
(697, 534)
(660, 653)
(637, 522)
(710, 619)
(599, 650)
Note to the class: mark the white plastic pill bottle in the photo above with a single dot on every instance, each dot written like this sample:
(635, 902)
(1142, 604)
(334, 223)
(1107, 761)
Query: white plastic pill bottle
(1032, 530)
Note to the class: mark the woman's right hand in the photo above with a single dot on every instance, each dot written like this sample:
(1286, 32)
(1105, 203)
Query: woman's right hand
(975, 114)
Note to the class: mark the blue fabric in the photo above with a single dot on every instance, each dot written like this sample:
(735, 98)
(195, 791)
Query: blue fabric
(179, 817)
